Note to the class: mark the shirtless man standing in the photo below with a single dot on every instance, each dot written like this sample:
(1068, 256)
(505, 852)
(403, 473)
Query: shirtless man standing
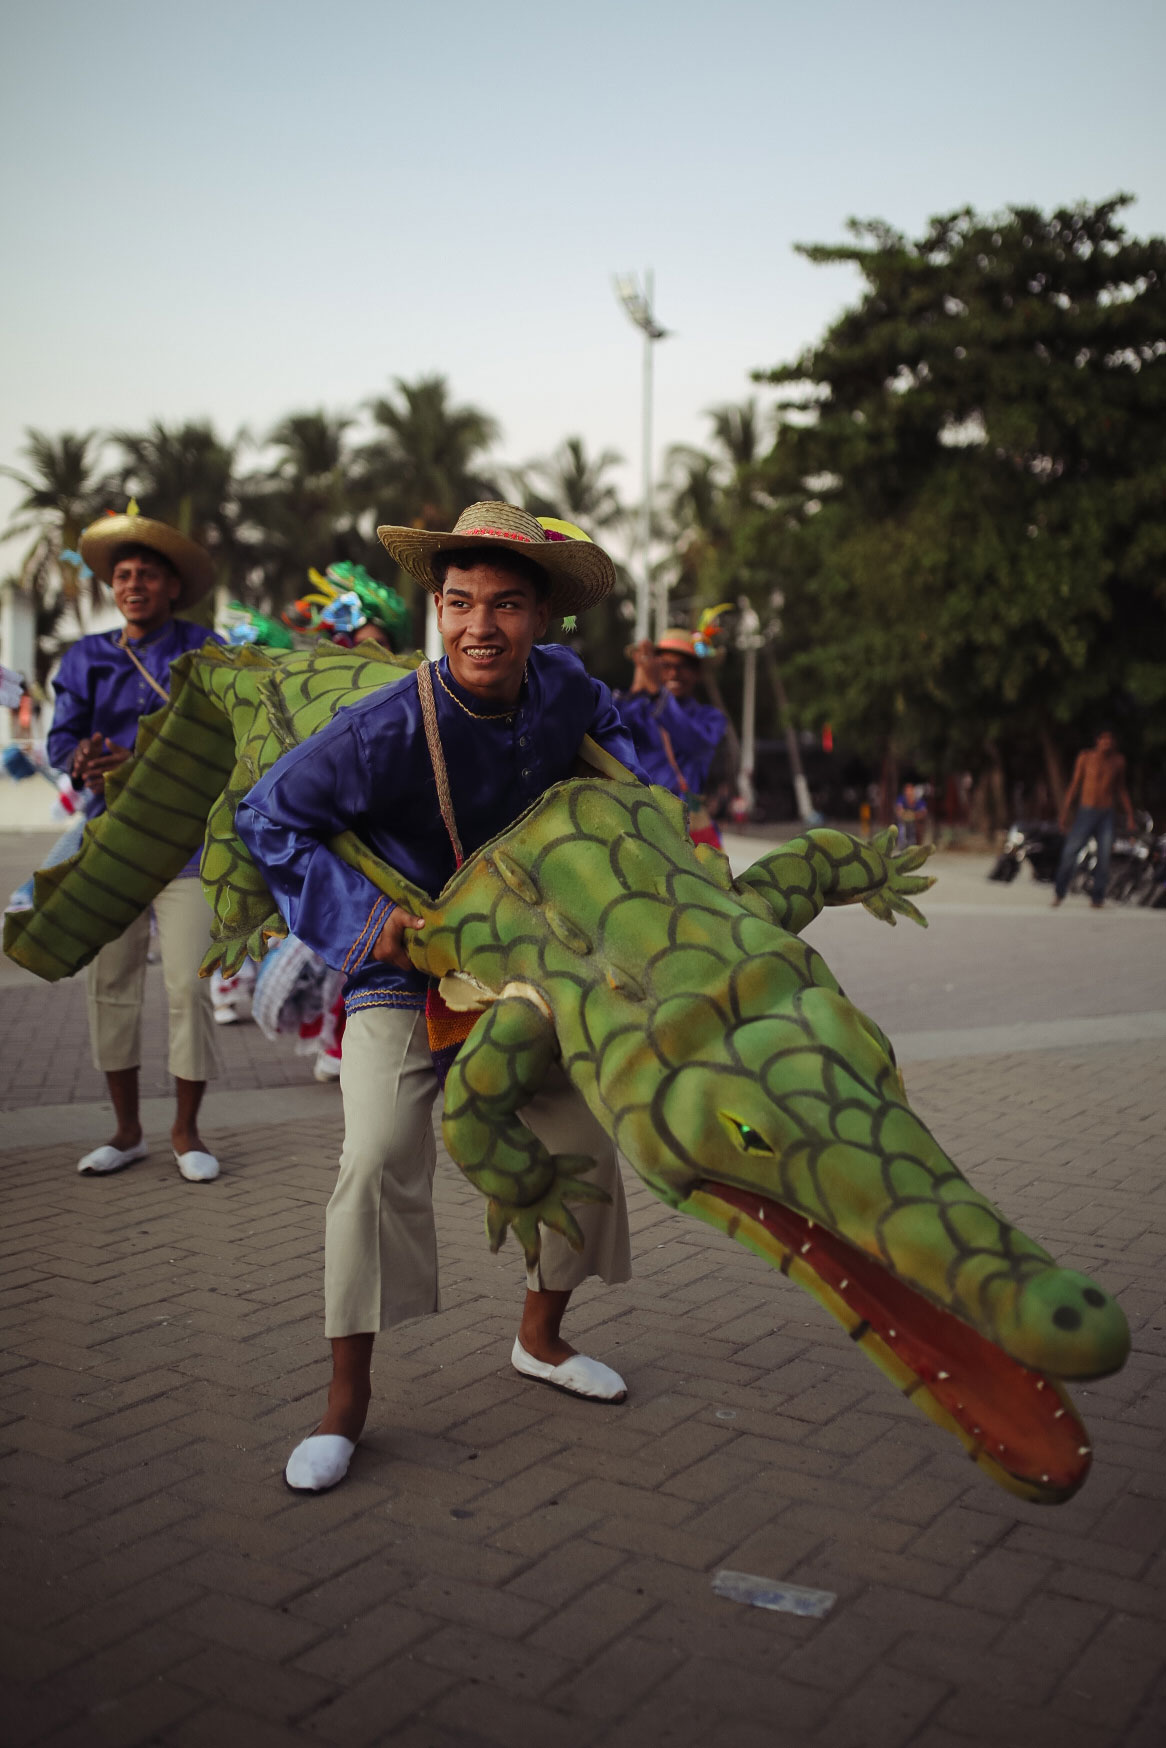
(1099, 780)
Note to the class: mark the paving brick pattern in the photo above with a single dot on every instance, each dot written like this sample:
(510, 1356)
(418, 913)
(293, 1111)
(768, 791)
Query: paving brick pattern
(45, 1059)
(508, 1566)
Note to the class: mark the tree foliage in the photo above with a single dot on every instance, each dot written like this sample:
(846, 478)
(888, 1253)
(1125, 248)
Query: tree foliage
(966, 495)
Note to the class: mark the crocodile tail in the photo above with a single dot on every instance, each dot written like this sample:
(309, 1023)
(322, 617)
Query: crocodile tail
(158, 804)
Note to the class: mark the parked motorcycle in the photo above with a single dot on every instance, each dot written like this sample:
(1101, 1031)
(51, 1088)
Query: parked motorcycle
(1038, 842)
(1129, 866)
(1152, 890)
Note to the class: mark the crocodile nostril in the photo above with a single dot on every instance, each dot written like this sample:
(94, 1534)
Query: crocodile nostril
(1066, 1318)
(1091, 1296)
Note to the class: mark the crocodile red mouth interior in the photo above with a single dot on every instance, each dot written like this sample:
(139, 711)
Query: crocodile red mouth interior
(1012, 1414)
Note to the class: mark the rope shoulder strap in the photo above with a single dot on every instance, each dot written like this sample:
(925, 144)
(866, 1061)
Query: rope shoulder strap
(124, 643)
(437, 756)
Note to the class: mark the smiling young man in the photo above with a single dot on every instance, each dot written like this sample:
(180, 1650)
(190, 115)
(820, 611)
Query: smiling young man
(105, 683)
(503, 719)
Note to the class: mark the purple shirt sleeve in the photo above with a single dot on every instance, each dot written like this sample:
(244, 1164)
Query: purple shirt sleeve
(72, 711)
(608, 729)
(311, 794)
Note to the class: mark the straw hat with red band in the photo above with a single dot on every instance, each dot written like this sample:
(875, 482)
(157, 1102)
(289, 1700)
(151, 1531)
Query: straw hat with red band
(101, 540)
(579, 572)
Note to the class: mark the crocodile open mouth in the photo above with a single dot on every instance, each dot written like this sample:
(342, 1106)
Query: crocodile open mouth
(1017, 1424)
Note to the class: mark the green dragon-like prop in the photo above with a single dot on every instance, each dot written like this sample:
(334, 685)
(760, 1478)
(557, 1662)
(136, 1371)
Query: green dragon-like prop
(711, 1042)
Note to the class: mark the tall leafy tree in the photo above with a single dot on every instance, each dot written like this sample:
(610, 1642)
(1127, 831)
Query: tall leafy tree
(577, 486)
(425, 462)
(965, 498)
(707, 491)
(302, 510)
(63, 490)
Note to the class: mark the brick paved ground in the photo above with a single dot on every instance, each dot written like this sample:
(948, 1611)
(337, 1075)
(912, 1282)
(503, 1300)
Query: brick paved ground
(506, 1566)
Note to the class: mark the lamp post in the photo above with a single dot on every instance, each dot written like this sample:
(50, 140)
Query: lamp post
(638, 304)
(749, 641)
(805, 805)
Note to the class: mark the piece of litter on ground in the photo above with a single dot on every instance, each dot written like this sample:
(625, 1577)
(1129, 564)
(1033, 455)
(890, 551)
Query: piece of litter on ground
(726, 1414)
(772, 1593)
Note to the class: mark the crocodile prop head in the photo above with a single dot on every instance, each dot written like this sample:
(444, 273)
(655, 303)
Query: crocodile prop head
(710, 1041)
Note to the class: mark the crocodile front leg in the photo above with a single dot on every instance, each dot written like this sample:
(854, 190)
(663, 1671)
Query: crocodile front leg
(824, 867)
(500, 1066)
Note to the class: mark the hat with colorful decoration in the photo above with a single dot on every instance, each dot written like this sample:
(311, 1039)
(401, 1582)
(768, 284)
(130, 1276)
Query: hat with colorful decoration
(698, 644)
(347, 597)
(579, 572)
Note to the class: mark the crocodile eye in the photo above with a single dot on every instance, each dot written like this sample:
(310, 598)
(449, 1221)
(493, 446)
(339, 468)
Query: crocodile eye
(748, 1140)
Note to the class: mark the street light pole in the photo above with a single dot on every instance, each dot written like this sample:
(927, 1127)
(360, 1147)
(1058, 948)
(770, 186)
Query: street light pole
(748, 642)
(639, 306)
(802, 797)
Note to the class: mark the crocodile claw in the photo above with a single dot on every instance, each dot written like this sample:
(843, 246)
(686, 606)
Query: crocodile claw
(550, 1210)
(901, 881)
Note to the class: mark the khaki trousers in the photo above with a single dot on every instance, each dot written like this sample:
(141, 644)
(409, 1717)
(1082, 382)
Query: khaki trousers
(116, 982)
(380, 1242)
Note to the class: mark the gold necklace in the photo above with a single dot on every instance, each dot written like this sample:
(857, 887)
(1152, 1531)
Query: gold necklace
(480, 715)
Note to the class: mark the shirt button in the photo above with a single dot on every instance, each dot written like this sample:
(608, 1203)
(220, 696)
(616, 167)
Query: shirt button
(522, 740)
(526, 772)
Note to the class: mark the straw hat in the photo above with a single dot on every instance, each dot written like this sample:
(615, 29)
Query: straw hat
(195, 567)
(676, 641)
(695, 644)
(580, 572)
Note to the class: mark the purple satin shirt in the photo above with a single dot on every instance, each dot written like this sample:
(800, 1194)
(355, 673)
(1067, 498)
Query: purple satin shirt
(694, 729)
(100, 691)
(369, 771)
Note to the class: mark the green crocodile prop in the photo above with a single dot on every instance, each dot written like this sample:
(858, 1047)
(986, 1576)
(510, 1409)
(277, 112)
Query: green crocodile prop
(708, 1038)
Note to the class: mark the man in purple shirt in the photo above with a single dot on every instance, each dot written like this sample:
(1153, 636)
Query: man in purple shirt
(105, 683)
(680, 742)
(504, 719)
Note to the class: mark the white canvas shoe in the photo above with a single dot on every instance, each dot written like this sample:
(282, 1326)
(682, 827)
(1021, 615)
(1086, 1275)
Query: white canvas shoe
(104, 1160)
(197, 1167)
(319, 1463)
(578, 1376)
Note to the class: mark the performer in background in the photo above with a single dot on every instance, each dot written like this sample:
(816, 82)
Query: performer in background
(681, 743)
(105, 683)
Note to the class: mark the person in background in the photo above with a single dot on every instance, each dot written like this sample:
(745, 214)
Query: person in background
(911, 814)
(1099, 783)
(106, 682)
(681, 743)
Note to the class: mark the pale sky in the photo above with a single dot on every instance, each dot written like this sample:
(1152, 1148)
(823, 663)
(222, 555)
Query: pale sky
(241, 210)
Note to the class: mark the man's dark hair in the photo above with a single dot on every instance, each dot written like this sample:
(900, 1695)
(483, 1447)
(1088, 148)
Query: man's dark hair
(135, 549)
(496, 558)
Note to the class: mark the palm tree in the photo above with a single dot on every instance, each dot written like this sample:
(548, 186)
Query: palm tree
(302, 510)
(62, 493)
(577, 487)
(422, 467)
(184, 475)
(706, 493)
